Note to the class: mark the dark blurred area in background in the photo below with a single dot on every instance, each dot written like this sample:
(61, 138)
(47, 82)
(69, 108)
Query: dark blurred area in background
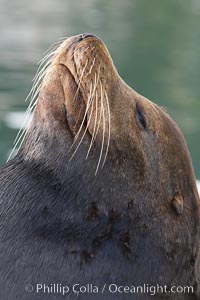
(154, 44)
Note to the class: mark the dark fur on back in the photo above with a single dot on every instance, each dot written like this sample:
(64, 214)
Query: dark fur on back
(79, 228)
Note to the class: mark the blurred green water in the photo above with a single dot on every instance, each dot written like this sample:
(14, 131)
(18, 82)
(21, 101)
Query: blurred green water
(155, 46)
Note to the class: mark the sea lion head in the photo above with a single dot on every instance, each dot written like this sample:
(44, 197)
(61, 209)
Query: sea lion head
(85, 110)
(86, 114)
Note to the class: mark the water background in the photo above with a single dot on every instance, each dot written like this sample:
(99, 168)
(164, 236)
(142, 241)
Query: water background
(155, 46)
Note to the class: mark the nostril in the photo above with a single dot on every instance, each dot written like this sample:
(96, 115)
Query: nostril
(81, 37)
(86, 35)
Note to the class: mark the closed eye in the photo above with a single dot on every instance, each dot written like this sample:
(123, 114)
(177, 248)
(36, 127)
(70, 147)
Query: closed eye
(140, 117)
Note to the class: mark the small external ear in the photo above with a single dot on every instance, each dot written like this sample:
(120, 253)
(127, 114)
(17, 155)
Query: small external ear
(177, 202)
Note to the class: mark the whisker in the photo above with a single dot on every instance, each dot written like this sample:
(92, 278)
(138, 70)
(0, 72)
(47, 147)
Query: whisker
(40, 72)
(84, 130)
(90, 97)
(52, 48)
(45, 62)
(80, 80)
(96, 115)
(103, 121)
(109, 127)
(28, 110)
(22, 127)
(79, 83)
(44, 65)
(78, 88)
(98, 125)
(86, 110)
(92, 66)
(77, 49)
(38, 77)
(55, 45)
(34, 98)
(41, 62)
(20, 139)
(31, 108)
(93, 133)
(38, 80)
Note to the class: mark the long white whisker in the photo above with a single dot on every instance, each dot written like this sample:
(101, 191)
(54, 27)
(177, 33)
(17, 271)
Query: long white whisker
(86, 49)
(96, 115)
(31, 108)
(92, 66)
(55, 45)
(38, 78)
(103, 121)
(109, 124)
(84, 130)
(77, 49)
(90, 97)
(44, 65)
(31, 93)
(42, 61)
(22, 126)
(36, 93)
(86, 110)
(93, 133)
(35, 79)
(92, 48)
(38, 74)
(28, 110)
(98, 124)
(80, 80)
(51, 48)
(22, 136)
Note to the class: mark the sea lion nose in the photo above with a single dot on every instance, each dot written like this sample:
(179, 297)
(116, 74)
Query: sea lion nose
(86, 35)
(78, 38)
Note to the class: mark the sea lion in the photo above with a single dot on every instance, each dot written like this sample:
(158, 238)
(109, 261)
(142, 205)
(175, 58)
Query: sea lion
(102, 191)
